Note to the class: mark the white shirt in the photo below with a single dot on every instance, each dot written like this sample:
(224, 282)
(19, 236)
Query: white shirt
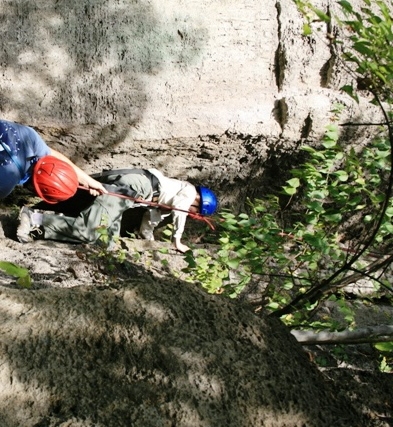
(178, 194)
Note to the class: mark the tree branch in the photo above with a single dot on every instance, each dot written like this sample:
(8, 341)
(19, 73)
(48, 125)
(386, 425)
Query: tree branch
(369, 334)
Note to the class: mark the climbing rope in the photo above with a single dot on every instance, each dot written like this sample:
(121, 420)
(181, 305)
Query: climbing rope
(142, 202)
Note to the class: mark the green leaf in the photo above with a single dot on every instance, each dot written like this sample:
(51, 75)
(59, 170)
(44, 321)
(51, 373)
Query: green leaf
(318, 194)
(388, 227)
(364, 49)
(330, 143)
(233, 263)
(273, 305)
(346, 5)
(294, 182)
(289, 190)
(306, 29)
(316, 206)
(342, 175)
(322, 16)
(348, 89)
(389, 212)
(384, 346)
(336, 218)
(24, 281)
(308, 149)
(224, 240)
(14, 270)
(243, 216)
(313, 240)
(251, 245)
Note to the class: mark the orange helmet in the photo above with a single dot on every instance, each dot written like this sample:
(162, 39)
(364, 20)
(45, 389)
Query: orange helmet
(54, 180)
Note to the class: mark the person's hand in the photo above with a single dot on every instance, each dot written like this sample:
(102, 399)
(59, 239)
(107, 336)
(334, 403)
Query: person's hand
(94, 192)
(95, 187)
(180, 247)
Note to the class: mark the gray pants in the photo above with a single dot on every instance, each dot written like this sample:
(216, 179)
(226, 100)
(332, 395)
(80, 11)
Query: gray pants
(106, 211)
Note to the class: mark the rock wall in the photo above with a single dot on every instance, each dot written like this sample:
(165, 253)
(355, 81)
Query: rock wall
(212, 92)
(206, 91)
(167, 69)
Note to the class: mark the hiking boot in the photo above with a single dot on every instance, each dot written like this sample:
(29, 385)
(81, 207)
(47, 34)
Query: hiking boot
(29, 225)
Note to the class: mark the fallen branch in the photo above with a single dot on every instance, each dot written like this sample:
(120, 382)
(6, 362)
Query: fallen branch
(369, 334)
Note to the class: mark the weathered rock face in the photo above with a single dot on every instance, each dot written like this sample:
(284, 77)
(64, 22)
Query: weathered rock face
(132, 354)
(169, 69)
(213, 92)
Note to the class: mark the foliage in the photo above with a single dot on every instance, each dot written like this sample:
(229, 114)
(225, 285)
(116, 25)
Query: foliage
(112, 259)
(386, 350)
(167, 233)
(385, 366)
(296, 255)
(110, 253)
(371, 40)
(365, 42)
(295, 258)
(22, 274)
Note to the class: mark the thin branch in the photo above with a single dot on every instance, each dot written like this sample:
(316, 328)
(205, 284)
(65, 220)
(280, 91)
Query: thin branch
(362, 124)
(369, 334)
(368, 275)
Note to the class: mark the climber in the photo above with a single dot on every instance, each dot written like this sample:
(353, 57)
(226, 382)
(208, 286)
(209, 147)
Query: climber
(20, 149)
(132, 187)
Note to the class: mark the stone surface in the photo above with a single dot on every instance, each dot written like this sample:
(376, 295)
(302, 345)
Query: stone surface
(146, 349)
(169, 69)
(219, 93)
(216, 92)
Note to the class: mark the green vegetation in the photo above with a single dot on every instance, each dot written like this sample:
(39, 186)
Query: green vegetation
(303, 246)
(20, 273)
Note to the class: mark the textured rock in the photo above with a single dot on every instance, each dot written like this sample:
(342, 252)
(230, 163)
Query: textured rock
(135, 355)
(220, 93)
(169, 69)
(216, 92)
(98, 343)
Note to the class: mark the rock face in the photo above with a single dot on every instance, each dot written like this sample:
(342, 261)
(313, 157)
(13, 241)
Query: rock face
(213, 92)
(151, 352)
(169, 69)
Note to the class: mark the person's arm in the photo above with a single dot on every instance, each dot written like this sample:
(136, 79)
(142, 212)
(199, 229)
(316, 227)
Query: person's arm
(95, 187)
(183, 200)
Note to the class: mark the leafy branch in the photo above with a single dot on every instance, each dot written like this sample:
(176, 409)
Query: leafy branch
(300, 257)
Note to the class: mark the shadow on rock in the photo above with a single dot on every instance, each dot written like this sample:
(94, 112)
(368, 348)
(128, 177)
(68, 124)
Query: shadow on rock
(151, 352)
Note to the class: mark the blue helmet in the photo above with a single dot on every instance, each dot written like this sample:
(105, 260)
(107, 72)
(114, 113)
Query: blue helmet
(209, 203)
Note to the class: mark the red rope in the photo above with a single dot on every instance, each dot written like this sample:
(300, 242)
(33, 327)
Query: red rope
(192, 215)
(201, 217)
